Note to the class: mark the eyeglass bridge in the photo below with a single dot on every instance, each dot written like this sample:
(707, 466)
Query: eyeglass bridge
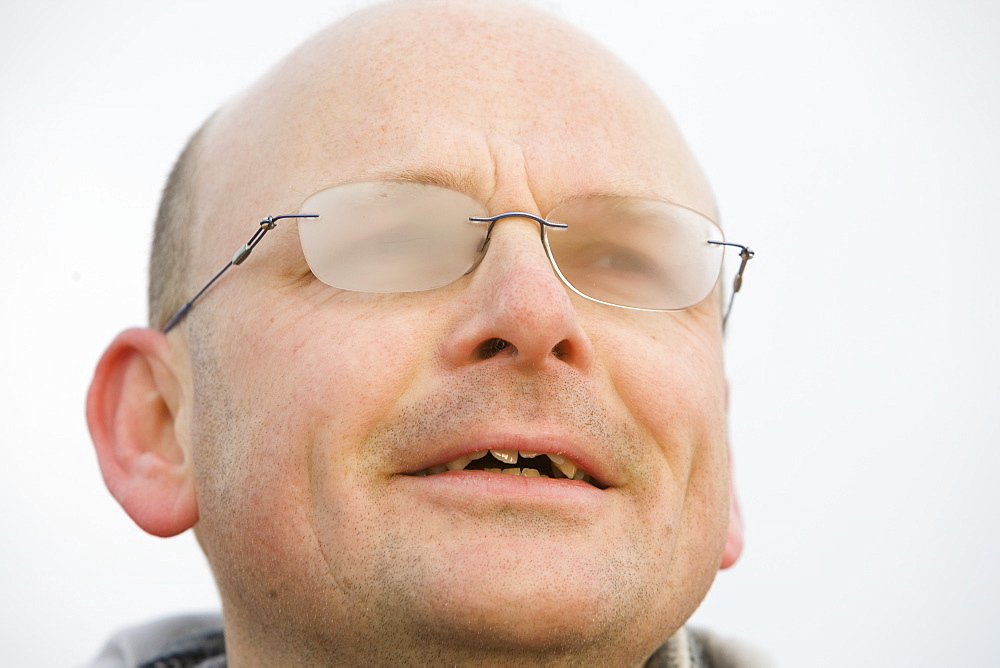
(493, 220)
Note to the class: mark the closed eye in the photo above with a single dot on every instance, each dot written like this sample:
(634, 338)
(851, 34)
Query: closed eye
(613, 261)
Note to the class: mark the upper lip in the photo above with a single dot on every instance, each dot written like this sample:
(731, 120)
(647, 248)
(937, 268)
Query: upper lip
(539, 441)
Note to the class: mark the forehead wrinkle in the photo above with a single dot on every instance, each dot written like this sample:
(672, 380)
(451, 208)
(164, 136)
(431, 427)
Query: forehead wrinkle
(467, 182)
(473, 182)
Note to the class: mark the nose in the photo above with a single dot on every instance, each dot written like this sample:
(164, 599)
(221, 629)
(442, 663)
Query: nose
(516, 307)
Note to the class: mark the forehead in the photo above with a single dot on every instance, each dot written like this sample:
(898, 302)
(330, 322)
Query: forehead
(504, 103)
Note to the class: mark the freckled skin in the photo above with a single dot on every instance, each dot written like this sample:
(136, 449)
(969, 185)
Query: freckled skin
(308, 403)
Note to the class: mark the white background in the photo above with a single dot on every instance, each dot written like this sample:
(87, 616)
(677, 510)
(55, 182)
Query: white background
(854, 144)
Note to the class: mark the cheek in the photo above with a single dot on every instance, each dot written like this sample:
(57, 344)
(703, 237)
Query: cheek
(669, 375)
(312, 373)
(671, 381)
(340, 364)
(265, 398)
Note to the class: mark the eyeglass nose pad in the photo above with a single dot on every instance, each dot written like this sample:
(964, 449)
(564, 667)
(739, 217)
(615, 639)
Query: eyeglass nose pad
(483, 247)
(493, 220)
(480, 254)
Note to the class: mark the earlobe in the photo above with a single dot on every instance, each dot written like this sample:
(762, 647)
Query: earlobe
(132, 412)
(734, 536)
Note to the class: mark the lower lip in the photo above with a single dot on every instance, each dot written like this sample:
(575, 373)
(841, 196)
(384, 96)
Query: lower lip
(472, 486)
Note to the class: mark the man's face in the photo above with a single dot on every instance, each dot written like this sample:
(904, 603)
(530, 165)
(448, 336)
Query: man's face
(314, 407)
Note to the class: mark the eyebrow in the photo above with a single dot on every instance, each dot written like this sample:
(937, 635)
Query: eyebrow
(460, 180)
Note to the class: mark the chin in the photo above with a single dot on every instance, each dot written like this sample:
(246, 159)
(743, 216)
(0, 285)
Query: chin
(523, 604)
(542, 631)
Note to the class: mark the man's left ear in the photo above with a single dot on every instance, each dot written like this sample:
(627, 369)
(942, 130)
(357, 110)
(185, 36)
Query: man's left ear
(133, 411)
(734, 537)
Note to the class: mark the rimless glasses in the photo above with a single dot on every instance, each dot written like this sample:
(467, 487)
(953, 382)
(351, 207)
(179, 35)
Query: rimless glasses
(402, 236)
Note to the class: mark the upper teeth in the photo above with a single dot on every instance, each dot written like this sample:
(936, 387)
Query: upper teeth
(562, 466)
(567, 467)
(506, 456)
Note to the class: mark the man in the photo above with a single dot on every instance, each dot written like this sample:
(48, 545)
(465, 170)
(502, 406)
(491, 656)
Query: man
(399, 436)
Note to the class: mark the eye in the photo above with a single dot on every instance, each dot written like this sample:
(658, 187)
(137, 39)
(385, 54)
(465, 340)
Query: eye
(615, 261)
(613, 272)
(620, 258)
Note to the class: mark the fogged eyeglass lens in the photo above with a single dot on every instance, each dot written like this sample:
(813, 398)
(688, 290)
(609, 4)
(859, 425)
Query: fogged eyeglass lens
(401, 236)
(634, 252)
(390, 236)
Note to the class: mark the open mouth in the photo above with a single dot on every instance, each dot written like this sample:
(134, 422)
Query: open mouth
(514, 462)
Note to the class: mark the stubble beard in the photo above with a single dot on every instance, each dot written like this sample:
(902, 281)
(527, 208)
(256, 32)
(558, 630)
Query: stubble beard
(390, 607)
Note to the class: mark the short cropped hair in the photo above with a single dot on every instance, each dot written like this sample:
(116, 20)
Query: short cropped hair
(170, 255)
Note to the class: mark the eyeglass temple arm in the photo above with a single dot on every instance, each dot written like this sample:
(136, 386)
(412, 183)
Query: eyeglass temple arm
(745, 256)
(241, 254)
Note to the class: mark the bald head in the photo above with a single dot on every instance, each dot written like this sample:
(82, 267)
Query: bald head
(361, 92)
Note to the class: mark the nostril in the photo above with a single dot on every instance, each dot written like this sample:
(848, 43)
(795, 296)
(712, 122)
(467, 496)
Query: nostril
(492, 347)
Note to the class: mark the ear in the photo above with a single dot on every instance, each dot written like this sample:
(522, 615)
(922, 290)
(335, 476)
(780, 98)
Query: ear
(132, 412)
(734, 538)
